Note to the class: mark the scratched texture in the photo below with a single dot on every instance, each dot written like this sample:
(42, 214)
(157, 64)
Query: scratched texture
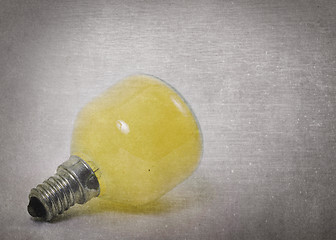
(260, 76)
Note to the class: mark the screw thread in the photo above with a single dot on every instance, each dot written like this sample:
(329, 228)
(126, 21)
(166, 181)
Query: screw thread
(74, 182)
(57, 193)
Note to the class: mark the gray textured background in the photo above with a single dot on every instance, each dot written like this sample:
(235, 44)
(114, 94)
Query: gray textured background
(260, 76)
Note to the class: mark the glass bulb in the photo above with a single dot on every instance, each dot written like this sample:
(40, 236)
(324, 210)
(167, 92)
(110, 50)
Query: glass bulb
(130, 146)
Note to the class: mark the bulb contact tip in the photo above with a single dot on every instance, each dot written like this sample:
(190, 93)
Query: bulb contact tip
(36, 208)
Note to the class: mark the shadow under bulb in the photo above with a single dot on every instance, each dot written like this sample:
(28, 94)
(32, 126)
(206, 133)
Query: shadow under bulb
(130, 146)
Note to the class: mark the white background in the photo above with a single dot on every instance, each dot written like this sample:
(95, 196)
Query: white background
(260, 76)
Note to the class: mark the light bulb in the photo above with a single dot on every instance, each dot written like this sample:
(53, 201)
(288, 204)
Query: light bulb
(130, 145)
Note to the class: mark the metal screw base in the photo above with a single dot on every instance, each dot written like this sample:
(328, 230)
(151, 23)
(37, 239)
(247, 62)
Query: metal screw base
(74, 182)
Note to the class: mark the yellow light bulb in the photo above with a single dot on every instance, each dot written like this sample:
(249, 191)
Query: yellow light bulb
(130, 145)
